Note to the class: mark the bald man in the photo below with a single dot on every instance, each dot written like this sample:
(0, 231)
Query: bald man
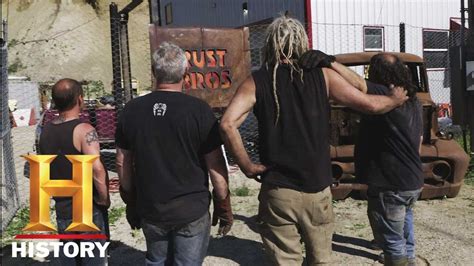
(67, 135)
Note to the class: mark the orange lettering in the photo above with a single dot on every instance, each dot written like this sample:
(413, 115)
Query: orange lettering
(199, 62)
(188, 57)
(211, 60)
(220, 54)
(226, 82)
(212, 80)
(187, 80)
(199, 80)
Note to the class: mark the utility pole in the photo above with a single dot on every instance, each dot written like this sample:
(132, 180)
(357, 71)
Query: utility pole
(470, 10)
(469, 56)
(155, 11)
(122, 77)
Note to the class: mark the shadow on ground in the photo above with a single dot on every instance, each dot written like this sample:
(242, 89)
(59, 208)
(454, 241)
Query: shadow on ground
(241, 251)
(123, 254)
(340, 239)
(251, 222)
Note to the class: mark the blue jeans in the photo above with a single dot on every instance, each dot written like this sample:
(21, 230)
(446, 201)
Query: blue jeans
(101, 220)
(184, 244)
(391, 218)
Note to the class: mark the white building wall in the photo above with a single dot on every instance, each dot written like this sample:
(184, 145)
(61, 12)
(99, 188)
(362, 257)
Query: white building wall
(338, 27)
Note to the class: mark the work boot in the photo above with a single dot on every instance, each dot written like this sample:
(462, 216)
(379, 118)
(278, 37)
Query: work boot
(398, 262)
(381, 258)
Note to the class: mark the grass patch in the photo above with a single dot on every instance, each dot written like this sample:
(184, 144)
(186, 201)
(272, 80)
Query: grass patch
(242, 191)
(16, 226)
(13, 43)
(135, 233)
(469, 178)
(115, 214)
(16, 66)
(359, 226)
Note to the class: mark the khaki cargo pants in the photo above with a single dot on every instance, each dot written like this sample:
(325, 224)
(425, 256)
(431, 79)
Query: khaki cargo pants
(288, 216)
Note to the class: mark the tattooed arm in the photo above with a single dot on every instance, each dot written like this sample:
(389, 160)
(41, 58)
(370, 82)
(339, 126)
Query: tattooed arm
(89, 145)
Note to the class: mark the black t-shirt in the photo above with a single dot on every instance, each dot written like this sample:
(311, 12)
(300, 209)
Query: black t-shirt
(387, 150)
(297, 147)
(168, 133)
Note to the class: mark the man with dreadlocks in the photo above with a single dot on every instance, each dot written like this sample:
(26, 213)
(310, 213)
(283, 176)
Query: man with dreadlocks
(292, 108)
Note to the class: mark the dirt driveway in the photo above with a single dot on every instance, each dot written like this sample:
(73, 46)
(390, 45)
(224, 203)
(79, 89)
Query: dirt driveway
(444, 233)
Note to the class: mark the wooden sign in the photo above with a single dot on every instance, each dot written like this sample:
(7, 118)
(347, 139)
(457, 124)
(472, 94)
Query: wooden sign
(219, 60)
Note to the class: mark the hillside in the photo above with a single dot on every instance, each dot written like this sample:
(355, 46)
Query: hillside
(51, 39)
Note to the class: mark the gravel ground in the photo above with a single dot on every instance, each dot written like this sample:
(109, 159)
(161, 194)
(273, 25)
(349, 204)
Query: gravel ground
(444, 233)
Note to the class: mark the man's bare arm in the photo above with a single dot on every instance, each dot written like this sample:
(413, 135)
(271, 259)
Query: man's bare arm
(222, 213)
(350, 76)
(239, 108)
(90, 145)
(124, 166)
(343, 93)
(217, 168)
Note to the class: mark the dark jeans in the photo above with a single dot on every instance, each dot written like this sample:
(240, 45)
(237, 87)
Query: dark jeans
(391, 217)
(101, 220)
(177, 244)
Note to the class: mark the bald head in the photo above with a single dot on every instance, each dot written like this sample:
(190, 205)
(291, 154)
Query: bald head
(66, 94)
(390, 58)
(388, 69)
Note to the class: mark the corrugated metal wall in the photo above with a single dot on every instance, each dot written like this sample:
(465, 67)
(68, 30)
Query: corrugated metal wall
(338, 27)
(338, 24)
(228, 13)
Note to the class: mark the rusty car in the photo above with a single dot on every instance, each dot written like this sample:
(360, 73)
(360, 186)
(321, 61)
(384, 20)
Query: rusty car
(444, 162)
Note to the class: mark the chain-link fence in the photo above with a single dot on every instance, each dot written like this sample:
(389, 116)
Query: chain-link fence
(431, 45)
(110, 56)
(79, 48)
(10, 201)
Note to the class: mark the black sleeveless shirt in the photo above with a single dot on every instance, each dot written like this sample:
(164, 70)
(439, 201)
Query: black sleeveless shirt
(298, 145)
(57, 139)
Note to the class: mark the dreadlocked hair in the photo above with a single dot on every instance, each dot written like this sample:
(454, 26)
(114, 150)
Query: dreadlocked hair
(286, 40)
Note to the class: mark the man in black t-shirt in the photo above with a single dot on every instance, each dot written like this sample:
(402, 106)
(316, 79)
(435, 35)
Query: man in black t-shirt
(387, 158)
(168, 145)
(292, 108)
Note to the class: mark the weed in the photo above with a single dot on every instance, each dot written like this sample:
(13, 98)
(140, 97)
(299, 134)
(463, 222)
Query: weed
(13, 43)
(359, 226)
(16, 226)
(135, 233)
(242, 191)
(16, 66)
(115, 214)
(469, 178)
(94, 88)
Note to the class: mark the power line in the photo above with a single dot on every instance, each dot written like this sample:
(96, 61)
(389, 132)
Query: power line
(58, 34)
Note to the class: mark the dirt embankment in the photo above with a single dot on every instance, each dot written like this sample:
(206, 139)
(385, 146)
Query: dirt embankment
(49, 40)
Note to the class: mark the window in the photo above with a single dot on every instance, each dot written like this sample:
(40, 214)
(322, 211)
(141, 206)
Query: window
(373, 39)
(168, 14)
(435, 48)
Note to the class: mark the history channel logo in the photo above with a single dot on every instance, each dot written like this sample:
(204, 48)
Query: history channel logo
(42, 188)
